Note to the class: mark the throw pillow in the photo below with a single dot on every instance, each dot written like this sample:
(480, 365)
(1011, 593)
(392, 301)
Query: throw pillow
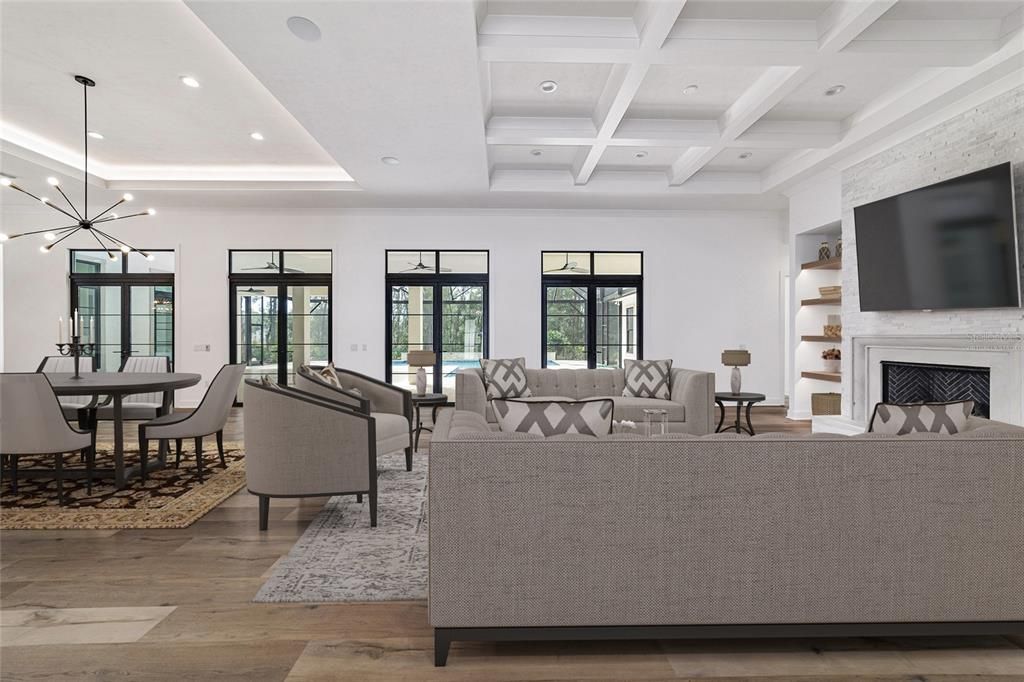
(505, 378)
(899, 420)
(648, 379)
(555, 417)
(329, 375)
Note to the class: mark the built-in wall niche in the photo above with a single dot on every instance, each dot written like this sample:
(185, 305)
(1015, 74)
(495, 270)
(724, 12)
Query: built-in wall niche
(818, 320)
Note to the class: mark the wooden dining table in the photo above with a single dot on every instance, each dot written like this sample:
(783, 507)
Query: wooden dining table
(117, 385)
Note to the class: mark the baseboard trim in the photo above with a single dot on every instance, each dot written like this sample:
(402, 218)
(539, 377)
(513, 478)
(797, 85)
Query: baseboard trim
(443, 637)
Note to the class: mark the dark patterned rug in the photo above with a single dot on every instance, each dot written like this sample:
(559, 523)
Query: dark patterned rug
(170, 498)
(341, 558)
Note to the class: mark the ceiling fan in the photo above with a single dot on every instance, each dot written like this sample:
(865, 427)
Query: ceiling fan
(420, 266)
(569, 266)
(271, 265)
(251, 291)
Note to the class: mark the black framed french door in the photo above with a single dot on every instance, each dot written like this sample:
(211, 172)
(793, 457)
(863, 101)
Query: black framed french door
(122, 313)
(280, 316)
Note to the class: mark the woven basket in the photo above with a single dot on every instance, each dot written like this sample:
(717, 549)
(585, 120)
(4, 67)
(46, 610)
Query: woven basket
(825, 404)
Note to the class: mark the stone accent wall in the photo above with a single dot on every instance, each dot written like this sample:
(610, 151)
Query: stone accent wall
(989, 134)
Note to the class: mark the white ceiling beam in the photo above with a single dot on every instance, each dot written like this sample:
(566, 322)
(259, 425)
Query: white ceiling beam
(790, 135)
(838, 26)
(558, 26)
(622, 182)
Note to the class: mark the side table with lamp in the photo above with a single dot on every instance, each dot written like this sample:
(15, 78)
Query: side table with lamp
(736, 359)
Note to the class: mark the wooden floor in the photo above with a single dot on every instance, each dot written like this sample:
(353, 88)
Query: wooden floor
(175, 605)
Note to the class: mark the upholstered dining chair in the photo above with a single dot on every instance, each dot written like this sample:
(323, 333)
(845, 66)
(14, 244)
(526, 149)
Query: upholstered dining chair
(74, 407)
(206, 420)
(32, 423)
(141, 405)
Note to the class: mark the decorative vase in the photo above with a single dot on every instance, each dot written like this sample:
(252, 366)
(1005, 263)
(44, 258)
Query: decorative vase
(839, 248)
(833, 365)
(736, 381)
(824, 252)
(421, 381)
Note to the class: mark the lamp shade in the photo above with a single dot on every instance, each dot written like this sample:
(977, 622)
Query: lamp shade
(422, 358)
(735, 358)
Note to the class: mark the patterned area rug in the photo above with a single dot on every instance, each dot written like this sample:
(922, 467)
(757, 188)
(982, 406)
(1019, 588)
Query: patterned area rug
(340, 558)
(170, 498)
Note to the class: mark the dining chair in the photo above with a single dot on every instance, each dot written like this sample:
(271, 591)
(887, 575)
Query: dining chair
(32, 423)
(74, 407)
(141, 405)
(207, 419)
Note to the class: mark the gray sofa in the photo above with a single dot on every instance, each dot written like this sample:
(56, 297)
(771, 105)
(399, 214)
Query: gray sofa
(724, 535)
(690, 407)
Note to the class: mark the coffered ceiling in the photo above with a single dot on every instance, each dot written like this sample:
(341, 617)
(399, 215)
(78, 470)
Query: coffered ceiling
(657, 103)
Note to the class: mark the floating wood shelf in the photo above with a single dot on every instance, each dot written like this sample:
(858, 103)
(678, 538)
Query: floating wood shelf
(823, 339)
(826, 264)
(822, 301)
(823, 376)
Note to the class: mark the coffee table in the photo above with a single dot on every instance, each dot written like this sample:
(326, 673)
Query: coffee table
(740, 399)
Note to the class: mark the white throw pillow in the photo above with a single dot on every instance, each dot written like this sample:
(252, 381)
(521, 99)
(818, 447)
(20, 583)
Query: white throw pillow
(899, 420)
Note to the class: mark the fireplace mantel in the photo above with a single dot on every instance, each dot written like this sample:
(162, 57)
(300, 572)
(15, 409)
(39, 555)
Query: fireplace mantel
(1004, 354)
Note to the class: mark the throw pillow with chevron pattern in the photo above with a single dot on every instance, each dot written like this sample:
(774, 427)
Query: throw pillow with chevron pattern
(505, 378)
(555, 417)
(899, 420)
(648, 379)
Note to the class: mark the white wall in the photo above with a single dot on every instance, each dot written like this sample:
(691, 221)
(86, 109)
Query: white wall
(712, 279)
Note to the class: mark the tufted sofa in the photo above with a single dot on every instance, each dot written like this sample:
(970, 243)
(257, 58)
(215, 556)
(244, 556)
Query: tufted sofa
(690, 407)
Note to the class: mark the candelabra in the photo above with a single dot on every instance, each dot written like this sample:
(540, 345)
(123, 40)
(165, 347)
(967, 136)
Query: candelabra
(76, 349)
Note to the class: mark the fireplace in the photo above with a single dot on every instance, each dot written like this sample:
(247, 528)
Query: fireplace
(912, 382)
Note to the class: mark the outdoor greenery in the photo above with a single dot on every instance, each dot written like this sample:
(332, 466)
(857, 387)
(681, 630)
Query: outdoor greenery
(462, 310)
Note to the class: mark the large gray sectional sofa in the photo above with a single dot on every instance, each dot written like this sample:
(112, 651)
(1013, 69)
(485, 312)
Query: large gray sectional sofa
(574, 537)
(690, 406)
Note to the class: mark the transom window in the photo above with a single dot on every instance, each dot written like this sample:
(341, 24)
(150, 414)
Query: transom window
(593, 306)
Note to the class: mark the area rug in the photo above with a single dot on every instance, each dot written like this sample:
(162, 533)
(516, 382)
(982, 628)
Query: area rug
(170, 498)
(340, 558)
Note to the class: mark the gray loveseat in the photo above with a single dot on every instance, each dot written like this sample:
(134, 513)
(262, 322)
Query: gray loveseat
(690, 407)
(573, 537)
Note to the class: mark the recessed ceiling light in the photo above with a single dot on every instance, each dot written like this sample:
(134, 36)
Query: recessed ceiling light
(258, 136)
(690, 89)
(95, 135)
(389, 160)
(548, 86)
(835, 90)
(641, 155)
(746, 155)
(190, 81)
(303, 29)
(536, 152)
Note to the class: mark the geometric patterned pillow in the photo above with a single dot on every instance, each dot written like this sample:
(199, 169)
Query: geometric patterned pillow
(505, 378)
(899, 420)
(648, 379)
(555, 417)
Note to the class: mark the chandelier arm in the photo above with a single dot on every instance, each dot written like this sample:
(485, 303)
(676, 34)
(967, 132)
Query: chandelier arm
(69, 202)
(112, 206)
(118, 241)
(120, 217)
(53, 244)
(25, 191)
(52, 229)
(103, 246)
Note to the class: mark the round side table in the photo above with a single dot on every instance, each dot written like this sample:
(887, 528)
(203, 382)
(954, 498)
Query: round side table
(740, 399)
(435, 401)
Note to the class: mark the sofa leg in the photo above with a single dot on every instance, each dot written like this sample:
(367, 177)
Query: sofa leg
(441, 645)
(359, 498)
(264, 511)
(408, 458)
(373, 508)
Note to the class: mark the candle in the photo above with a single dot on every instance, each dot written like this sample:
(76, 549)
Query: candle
(60, 329)
(78, 324)
(71, 328)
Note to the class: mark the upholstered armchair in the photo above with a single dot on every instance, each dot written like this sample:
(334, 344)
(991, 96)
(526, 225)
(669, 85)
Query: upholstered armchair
(390, 406)
(74, 407)
(300, 444)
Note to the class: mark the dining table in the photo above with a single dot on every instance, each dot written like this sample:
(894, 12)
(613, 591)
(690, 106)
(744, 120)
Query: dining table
(116, 386)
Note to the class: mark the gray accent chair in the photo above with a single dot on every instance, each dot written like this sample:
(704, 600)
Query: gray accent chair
(301, 444)
(390, 406)
(207, 419)
(32, 423)
(690, 407)
(74, 407)
(141, 405)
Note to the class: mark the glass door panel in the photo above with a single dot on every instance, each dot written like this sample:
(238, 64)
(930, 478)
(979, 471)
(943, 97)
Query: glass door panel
(462, 332)
(412, 328)
(308, 323)
(99, 312)
(613, 326)
(256, 320)
(152, 320)
(566, 332)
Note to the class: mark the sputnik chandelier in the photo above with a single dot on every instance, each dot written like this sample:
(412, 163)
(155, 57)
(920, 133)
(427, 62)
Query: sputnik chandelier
(82, 223)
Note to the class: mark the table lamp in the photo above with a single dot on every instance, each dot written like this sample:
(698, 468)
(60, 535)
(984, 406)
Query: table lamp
(421, 359)
(736, 359)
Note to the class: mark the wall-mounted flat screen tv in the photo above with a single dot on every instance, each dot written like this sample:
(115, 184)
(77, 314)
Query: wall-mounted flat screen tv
(950, 245)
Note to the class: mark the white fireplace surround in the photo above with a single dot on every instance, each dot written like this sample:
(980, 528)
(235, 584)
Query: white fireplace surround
(1002, 354)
